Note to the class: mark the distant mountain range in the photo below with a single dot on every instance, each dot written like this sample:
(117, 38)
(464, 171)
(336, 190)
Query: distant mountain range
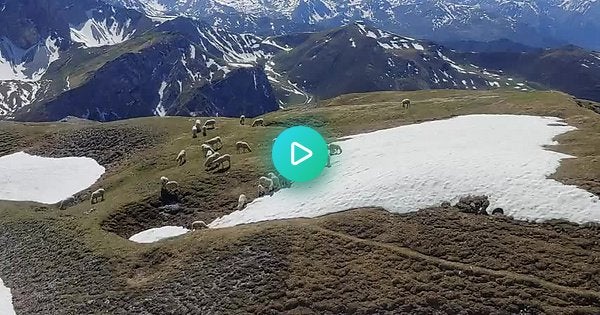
(531, 22)
(88, 59)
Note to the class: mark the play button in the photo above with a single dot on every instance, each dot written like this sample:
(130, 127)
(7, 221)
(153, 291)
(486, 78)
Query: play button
(300, 154)
(303, 150)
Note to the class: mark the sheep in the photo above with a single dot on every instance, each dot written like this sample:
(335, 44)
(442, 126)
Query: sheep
(242, 201)
(242, 120)
(68, 202)
(258, 122)
(261, 190)
(198, 124)
(214, 143)
(242, 147)
(267, 183)
(210, 124)
(220, 161)
(198, 225)
(194, 132)
(209, 160)
(206, 149)
(204, 131)
(181, 157)
(405, 103)
(97, 194)
(334, 149)
(168, 184)
(275, 179)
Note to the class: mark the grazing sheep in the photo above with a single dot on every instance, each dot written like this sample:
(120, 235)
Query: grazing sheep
(261, 190)
(210, 124)
(405, 103)
(204, 131)
(209, 160)
(275, 179)
(215, 143)
(267, 183)
(242, 201)
(168, 184)
(163, 181)
(181, 158)
(242, 147)
(198, 124)
(334, 149)
(194, 131)
(206, 149)
(97, 194)
(242, 120)
(220, 161)
(258, 122)
(198, 225)
(68, 202)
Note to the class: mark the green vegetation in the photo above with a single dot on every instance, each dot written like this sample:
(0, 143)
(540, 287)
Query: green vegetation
(364, 260)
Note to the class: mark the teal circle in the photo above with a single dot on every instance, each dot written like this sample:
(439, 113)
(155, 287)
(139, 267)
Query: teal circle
(300, 138)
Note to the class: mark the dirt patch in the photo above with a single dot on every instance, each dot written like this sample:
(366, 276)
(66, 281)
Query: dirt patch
(108, 145)
(204, 199)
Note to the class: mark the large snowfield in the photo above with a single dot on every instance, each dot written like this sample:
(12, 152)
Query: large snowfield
(25, 177)
(157, 234)
(6, 307)
(412, 167)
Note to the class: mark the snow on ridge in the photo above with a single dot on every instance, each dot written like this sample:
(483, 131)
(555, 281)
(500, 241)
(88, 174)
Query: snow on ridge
(34, 178)
(160, 109)
(6, 306)
(95, 33)
(441, 161)
(27, 64)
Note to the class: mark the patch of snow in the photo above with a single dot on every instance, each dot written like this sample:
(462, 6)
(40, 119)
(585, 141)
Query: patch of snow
(160, 109)
(27, 177)
(6, 306)
(157, 234)
(441, 161)
(94, 33)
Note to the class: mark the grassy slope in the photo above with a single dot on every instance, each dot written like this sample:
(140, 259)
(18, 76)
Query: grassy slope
(307, 249)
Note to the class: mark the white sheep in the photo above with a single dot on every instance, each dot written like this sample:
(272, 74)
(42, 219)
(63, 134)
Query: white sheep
(68, 202)
(181, 157)
(267, 183)
(198, 225)
(206, 149)
(198, 124)
(97, 194)
(334, 149)
(210, 124)
(405, 103)
(275, 179)
(242, 201)
(168, 184)
(220, 161)
(194, 131)
(211, 159)
(258, 122)
(242, 147)
(242, 120)
(261, 190)
(215, 143)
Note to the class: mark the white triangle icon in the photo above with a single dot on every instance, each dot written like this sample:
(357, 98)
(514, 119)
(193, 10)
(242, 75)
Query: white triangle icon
(296, 145)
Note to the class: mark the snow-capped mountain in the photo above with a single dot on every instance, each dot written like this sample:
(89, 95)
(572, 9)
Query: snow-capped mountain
(533, 22)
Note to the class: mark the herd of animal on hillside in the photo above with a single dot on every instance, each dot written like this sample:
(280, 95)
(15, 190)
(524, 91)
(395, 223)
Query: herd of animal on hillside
(215, 161)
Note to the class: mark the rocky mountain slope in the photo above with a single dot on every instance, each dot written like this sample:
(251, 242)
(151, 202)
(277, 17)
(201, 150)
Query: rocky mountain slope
(532, 22)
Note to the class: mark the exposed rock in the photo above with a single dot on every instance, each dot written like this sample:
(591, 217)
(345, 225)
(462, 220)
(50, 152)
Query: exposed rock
(473, 204)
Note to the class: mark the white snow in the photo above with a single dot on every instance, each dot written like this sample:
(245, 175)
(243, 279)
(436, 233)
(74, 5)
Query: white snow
(411, 167)
(25, 177)
(94, 33)
(6, 307)
(160, 109)
(157, 234)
